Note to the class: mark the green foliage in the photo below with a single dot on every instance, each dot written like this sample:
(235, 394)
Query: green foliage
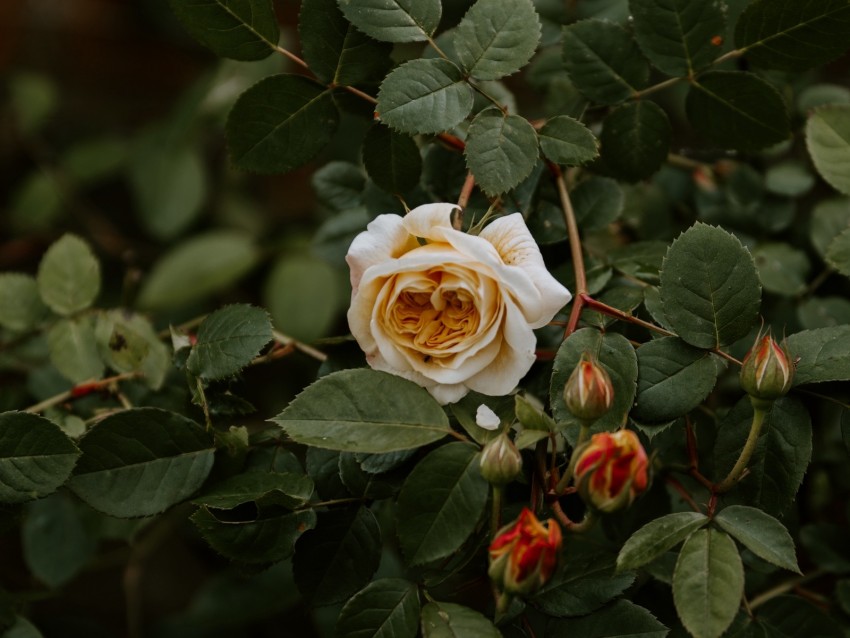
(678, 172)
(238, 29)
(35, 457)
(282, 137)
(496, 39)
(141, 462)
(364, 411)
(828, 140)
(677, 35)
(501, 150)
(709, 287)
(228, 340)
(69, 276)
(386, 608)
(424, 96)
(708, 583)
(737, 110)
(440, 503)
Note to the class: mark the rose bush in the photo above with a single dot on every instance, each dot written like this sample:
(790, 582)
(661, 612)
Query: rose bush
(449, 310)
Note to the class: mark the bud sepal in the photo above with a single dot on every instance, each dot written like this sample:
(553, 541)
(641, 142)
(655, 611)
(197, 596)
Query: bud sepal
(588, 393)
(767, 372)
(501, 461)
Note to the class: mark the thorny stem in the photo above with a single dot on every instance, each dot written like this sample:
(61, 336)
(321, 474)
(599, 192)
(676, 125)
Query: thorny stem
(683, 492)
(286, 340)
(463, 200)
(80, 390)
(784, 588)
(671, 81)
(735, 474)
(693, 457)
(575, 250)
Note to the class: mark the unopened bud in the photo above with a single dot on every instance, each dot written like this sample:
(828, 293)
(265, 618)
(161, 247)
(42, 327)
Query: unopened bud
(588, 392)
(501, 461)
(611, 471)
(768, 371)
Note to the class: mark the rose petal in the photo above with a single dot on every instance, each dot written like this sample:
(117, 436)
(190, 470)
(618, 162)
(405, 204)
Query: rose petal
(486, 418)
(384, 239)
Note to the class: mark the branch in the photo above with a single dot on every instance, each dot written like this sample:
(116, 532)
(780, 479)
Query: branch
(575, 250)
(81, 390)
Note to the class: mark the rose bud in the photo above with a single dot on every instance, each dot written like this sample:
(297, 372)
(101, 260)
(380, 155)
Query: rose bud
(523, 555)
(588, 392)
(611, 470)
(768, 370)
(501, 461)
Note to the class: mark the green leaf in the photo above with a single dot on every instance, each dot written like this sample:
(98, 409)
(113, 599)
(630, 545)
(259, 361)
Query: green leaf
(440, 503)
(678, 36)
(228, 340)
(127, 342)
(762, 534)
(708, 583)
(424, 96)
(496, 39)
(391, 159)
(793, 616)
(636, 139)
(828, 141)
(838, 255)
(37, 203)
(21, 307)
(657, 536)
(194, 269)
(35, 457)
(169, 184)
(141, 461)
(364, 484)
(364, 411)
(709, 287)
(22, 628)
(447, 620)
(586, 582)
(56, 543)
(267, 539)
(302, 294)
(385, 608)
(793, 36)
(286, 489)
(830, 218)
(567, 141)
(280, 123)
(824, 354)
(69, 275)
(616, 355)
(604, 61)
(339, 186)
(394, 20)
(236, 29)
(620, 619)
(673, 379)
(781, 457)
(598, 201)
(32, 98)
(783, 270)
(823, 312)
(338, 557)
(93, 160)
(337, 52)
(501, 150)
(73, 349)
(789, 179)
(739, 110)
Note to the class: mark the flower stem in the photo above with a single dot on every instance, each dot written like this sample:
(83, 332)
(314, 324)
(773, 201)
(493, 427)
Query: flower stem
(568, 474)
(496, 513)
(760, 410)
(586, 524)
(575, 250)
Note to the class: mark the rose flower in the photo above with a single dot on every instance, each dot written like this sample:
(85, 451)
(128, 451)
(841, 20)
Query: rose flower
(611, 470)
(524, 553)
(448, 310)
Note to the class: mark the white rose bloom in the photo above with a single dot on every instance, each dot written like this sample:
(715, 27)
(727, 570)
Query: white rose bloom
(450, 311)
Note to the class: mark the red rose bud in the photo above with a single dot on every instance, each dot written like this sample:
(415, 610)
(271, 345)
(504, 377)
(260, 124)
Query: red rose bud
(588, 392)
(768, 370)
(501, 461)
(611, 470)
(523, 555)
